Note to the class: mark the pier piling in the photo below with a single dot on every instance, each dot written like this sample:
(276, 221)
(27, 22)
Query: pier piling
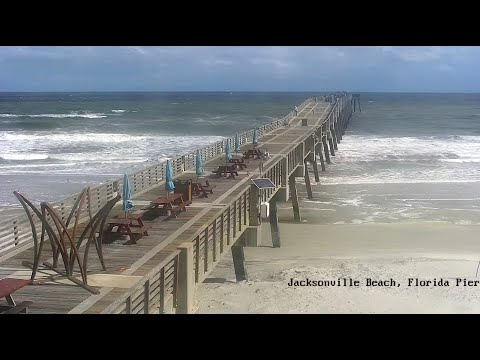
(307, 181)
(274, 222)
(325, 148)
(315, 169)
(239, 263)
(333, 140)
(186, 281)
(332, 149)
(293, 194)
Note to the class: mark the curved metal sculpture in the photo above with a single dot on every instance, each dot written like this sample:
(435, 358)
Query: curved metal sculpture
(63, 235)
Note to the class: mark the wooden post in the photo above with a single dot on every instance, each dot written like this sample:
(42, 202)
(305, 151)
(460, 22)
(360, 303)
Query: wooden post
(239, 263)
(284, 171)
(315, 169)
(186, 282)
(325, 148)
(294, 196)
(254, 205)
(322, 162)
(274, 222)
(307, 181)
(338, 132)
(330, 143)
(334, 138)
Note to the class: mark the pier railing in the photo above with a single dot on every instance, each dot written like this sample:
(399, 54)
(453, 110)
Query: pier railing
(152, 292)
(15, 233)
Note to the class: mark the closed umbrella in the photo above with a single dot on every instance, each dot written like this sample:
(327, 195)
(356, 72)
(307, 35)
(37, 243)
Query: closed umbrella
(255, 137)
(127, 194)
(237, 143)
(169, 185)
(199, 166)
(228, 156)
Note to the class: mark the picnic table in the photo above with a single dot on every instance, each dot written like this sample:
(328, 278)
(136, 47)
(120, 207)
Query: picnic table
(253, 153)
(227, 169)
(168, 202)
(7, 287)
(239, 162)
(132, 226)
(203, 189)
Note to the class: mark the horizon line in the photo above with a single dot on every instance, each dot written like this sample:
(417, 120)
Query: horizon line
(237, 91)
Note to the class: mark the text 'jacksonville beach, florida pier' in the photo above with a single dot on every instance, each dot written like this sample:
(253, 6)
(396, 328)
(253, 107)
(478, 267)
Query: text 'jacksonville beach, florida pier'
(160, 271)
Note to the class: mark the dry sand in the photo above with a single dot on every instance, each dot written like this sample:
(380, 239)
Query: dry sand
(425, 251)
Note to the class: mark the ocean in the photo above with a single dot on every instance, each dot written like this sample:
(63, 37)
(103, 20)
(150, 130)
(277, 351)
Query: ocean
(404, 158)
(53, 144)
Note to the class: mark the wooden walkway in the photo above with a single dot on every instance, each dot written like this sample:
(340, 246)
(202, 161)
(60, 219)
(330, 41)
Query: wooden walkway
(128, 263)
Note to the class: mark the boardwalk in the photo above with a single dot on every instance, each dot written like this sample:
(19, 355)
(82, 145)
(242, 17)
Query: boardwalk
(159, 272)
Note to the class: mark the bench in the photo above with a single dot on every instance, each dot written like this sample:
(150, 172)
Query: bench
(7, 287)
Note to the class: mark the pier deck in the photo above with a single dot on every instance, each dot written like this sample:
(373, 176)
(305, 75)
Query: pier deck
(127, 264)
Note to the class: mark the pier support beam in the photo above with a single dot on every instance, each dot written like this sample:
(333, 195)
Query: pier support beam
(338, 132)
(334, 138)
(283, 193)
(186, 281)
(322, 162)
(274, 222)
(239, 263)
(325, 148)
(252, 233)
(330, 142)
(307, 182)
(315, 169)
(294, 196)
(251, 237)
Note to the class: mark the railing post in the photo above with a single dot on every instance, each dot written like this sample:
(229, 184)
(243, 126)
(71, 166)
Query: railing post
(186, 283)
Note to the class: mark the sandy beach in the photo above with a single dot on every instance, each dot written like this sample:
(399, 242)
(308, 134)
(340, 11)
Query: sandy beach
(425, 251)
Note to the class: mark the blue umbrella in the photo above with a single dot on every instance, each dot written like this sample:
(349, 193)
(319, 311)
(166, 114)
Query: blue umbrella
(237, 143)
(228, 156)
(169, 185)
(255, 136)
(127, 194)
(199, 166)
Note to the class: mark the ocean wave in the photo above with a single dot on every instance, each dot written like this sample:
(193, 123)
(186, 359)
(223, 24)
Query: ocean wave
(62, 138)
(360, 181)
(57, 116)
(77, 158)
(357, 148)
(118, 111)
(23, 157)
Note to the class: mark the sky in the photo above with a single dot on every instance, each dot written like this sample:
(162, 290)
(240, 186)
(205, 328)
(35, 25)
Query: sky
(240, 68)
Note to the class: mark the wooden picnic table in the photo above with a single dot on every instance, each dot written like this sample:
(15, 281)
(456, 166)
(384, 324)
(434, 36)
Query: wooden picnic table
(227, 169)
(239, 162)
(132, 226)
(168, 202)
(7, 287)
(203, 189)
(253, 153)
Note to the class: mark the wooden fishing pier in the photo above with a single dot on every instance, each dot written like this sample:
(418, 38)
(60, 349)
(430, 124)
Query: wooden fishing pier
(159, 273)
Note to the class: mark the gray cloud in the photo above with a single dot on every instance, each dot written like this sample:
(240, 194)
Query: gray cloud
(382, 68)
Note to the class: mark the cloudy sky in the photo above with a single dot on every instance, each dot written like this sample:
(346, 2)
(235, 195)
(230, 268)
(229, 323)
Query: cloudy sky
(239, 68)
